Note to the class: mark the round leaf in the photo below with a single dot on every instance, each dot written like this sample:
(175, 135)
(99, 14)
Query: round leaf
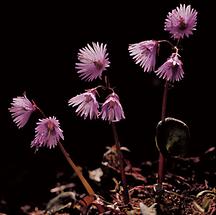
(172, 137)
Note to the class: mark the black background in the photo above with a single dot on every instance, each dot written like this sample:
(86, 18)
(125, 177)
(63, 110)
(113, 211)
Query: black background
(40, 44)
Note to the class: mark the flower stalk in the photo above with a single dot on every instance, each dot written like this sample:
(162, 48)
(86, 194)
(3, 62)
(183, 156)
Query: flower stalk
(85, 183)
(119, 154)
(162, 159)
(121, 163)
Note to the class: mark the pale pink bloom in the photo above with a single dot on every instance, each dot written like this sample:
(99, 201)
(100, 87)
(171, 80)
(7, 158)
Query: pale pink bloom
(112, 109)
(181, 21)
(48, 133)
(21, 109)
(87, 104)
(93, 61)
(144, 54)
(172, 69)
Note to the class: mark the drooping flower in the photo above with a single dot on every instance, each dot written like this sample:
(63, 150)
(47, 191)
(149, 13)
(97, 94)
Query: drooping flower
(48, 133)
(87, 104)
(112, 109)
(181, 21)
(21, 110)
(144, 54)
(93, 61)
(172, 69)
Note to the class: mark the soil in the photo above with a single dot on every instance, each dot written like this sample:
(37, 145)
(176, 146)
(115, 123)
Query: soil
(188, 188)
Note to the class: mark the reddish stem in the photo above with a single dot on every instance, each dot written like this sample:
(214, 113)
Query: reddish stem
(161, 157)
(164, 102)
(119, 153)
(121, 162)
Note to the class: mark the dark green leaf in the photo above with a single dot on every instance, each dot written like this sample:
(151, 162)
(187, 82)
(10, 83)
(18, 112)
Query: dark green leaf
(172, 137)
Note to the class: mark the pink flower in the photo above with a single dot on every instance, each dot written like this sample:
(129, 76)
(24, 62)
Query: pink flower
(172, 69)
(144, 54)
(181, 21)
(21, 109)
(93, 61)
(48, 133)
(112, 109)
(87, 104)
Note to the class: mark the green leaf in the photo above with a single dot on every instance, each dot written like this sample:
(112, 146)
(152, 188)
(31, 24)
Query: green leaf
(172, 137)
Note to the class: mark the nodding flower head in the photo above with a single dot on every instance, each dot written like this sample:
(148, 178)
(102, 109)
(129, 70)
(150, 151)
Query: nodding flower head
(93, 61)
(172, 69)
(48, 133)
(21, 110)
(87, 104)
(181, 21)
(144, 54)
(112, 109)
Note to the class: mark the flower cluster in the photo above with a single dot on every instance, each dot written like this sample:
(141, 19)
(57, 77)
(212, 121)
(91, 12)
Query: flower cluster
(48, 131)
(111, 109)
(93, 61)
(179, 23)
